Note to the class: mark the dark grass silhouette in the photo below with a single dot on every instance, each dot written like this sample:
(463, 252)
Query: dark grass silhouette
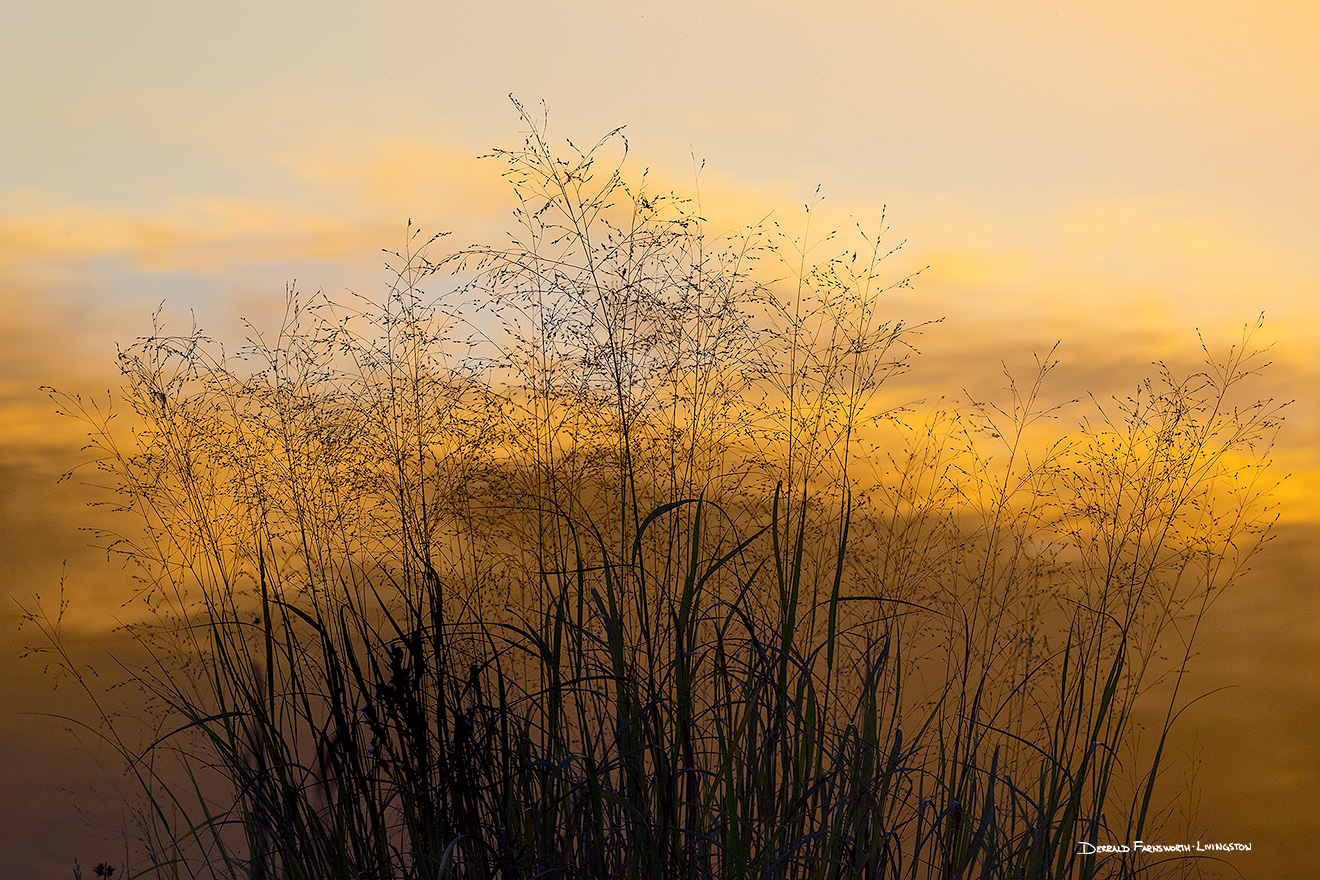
(611, 562)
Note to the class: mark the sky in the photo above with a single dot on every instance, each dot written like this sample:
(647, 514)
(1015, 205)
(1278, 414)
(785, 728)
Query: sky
(1117, 177)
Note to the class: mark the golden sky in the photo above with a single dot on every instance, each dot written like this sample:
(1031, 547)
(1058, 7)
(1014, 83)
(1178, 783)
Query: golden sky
(1113, 175)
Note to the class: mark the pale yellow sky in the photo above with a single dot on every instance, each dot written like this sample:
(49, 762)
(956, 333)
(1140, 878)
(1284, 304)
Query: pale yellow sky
(1114, 175)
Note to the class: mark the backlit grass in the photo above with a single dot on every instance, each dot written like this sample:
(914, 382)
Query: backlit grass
(614, 559)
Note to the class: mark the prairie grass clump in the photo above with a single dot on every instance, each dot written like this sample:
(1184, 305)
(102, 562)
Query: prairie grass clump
(615, 561)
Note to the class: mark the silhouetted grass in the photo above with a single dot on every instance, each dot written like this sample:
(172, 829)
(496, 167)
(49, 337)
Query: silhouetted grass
(610, 563)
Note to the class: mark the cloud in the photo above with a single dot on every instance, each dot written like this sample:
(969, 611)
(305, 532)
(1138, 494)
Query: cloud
(1121, 282)
(206, 235)
(397, 175)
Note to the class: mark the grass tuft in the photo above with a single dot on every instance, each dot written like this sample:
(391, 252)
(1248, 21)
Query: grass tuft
(615, 561)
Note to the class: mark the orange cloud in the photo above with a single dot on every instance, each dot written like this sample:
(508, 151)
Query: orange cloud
(209, 235)
(1122, 281)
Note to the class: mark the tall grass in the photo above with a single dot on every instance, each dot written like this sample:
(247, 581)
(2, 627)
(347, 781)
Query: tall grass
(616, 560)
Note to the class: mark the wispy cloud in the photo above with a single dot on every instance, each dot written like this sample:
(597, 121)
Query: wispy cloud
(1121, 282)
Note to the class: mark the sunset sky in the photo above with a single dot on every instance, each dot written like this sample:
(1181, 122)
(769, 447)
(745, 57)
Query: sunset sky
(1116, 176)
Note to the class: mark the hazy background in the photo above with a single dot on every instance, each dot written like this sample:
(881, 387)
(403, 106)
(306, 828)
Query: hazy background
(1114, 175)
